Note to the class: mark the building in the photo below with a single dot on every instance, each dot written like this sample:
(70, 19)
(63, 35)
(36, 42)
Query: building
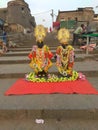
(75, 17)
(81, 14)
(18, 13)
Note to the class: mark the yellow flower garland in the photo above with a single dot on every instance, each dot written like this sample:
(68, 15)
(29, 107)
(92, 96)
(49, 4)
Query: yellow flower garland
(51, 78)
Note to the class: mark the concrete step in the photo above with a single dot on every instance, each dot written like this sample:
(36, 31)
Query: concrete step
(23, 58)
(52, 48)
(89, 68)
(48, 106)
(49, 124)
(14, 59)
(16, 53)
(27, 51)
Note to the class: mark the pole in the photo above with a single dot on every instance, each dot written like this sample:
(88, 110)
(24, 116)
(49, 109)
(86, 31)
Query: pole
(52, 15)
(87, 45)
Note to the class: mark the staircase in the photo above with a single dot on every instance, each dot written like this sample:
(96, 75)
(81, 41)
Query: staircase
(58, 111)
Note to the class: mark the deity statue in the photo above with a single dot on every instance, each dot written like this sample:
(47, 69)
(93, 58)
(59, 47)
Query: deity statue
(64, 54)
(40, 55)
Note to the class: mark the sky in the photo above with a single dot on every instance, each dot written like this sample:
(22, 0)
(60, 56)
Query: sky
(42, 9)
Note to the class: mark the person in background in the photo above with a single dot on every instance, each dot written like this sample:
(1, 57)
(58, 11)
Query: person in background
(76, 35)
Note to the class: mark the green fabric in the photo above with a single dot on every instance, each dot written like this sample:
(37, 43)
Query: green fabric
(90, 35)
(70, 24)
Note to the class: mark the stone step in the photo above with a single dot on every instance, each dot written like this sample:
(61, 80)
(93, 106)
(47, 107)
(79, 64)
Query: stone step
(22, 74)
(89, 68)
(28, 50)
(48, 106)
(19, 51)
(22, 57)
(49, 124)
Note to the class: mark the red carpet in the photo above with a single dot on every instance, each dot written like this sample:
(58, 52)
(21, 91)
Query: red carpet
(22, 87)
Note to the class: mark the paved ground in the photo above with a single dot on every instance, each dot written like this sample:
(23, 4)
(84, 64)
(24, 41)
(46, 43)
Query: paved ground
(49, 124)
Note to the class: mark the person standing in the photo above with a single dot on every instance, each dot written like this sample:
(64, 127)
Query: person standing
(76, 35)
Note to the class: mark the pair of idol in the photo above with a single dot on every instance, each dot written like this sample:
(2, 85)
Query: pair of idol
(41, 55)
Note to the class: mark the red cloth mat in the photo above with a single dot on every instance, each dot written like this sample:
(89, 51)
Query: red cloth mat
(22, 87)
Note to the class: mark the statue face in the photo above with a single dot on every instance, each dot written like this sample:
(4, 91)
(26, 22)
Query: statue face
(40, 44)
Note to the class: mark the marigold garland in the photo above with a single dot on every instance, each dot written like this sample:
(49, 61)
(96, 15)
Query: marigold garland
(51, 78)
